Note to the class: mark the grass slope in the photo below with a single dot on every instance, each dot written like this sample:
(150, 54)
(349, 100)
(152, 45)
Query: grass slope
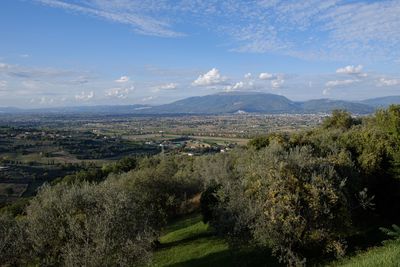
(385, 256)
(190, 242)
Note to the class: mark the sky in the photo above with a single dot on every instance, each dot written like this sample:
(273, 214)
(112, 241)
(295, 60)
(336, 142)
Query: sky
(111, 52)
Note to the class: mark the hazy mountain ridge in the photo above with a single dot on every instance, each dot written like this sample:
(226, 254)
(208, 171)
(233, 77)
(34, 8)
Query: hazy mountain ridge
(100, 109)
(226, 103)
(382, 101)
(230, 103)
(327, 105)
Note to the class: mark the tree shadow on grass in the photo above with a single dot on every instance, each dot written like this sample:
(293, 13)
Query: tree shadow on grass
(249, 257)
(183, 222)
(185, 240)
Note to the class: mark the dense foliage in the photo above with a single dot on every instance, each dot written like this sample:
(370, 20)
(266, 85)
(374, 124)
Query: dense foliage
(304, 195)
(115, 222)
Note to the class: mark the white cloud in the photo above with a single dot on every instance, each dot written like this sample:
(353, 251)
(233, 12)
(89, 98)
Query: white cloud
(350, 69)
(266, 76)
(336, 83)
(277, 80)
(326, 91)
(82, 79)
(277, 83)
(30, 84)
(83, 96)
(123, 79)
(37, 74)
(119, 92)
(124, 12)
(148, 98)
(44, 101)
(235, 87)
(330, 29)
(248, 75)
(167, 86)
(212, 77)
(388, 82)
(4, 66)
(3, 85)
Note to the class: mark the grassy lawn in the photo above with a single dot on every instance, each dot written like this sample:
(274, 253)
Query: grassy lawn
(190, 242)
(385, 256)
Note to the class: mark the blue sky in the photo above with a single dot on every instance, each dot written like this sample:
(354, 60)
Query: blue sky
(90, 52)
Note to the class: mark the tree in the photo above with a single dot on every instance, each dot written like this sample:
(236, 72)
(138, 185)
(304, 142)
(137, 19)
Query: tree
(288, 200)
(89, 225)
(9, 190)
(14, 241)
(340, 119)
(209, 201)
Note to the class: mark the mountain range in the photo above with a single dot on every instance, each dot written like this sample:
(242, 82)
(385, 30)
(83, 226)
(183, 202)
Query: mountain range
(227, 103)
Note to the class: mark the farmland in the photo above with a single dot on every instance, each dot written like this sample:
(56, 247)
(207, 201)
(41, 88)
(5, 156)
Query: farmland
(38, 149)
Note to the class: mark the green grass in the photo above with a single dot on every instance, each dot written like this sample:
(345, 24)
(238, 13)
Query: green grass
(190, 242)
(385, 256)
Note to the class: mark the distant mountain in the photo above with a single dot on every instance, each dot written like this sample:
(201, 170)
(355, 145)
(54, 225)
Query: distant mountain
(9, 110)
(103, 109)
(229, 103)
(224, 103)
(254, 102)
(382, 102)
(327, 105)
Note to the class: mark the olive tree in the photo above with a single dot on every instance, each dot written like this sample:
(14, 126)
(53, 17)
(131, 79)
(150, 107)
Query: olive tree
(288, 200)
(89, 225)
